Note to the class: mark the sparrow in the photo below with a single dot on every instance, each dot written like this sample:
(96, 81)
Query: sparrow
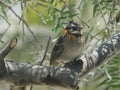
(68, 46)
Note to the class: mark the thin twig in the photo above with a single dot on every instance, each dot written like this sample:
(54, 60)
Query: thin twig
(24, 23)
(5, 20)
(4, 33)
(7, 5)
(40, 63)
(22, 10)
(108, 30)
(23, 29)
(80, 4)
(76, 16)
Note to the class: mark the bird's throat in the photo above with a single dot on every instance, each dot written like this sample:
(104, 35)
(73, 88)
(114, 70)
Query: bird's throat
(72, 37)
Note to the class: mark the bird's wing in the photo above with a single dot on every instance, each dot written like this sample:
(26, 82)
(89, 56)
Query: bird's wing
(57, 50)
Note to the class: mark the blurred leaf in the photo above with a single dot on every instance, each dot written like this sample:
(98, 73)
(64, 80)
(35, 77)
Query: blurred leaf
(116, 86)
(43, 5)
(95, 9)
(3, 9)
(9, 1)
(101, 83)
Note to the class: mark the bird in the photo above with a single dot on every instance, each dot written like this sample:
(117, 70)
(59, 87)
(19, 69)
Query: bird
(68, 46)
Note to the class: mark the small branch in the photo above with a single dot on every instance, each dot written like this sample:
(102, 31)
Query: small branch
(40, 63)
(80, 4)
(24, 23)
(8, 48)
(7, 5)
(5, 20)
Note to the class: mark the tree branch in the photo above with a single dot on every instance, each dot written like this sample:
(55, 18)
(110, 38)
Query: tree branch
(8, 48)
(21, 74)
(40, 62)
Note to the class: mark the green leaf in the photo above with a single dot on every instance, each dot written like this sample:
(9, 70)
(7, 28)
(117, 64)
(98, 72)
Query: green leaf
(57, 10)
(43, 5)
(8, 1)
(102, 83)
(3, 9)
(95, 9)
(116, 86)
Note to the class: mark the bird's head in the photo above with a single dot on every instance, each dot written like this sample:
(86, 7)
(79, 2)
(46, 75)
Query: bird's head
(73, 31)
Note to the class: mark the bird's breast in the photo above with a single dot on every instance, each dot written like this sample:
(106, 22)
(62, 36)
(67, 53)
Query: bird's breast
(72, 49)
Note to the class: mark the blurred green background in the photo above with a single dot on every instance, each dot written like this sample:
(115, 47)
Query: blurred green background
(32, 22)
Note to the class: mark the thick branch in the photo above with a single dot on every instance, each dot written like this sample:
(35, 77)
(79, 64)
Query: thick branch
(24, 74)
(88, 61)
(68, 76)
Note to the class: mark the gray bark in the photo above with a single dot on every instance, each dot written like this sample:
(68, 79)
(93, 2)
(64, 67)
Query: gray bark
(22, 74)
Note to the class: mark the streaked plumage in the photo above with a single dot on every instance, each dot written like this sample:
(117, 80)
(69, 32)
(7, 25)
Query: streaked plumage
(68, 46)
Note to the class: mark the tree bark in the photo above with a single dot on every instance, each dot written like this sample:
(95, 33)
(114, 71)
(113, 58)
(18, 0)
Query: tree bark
(22, 74)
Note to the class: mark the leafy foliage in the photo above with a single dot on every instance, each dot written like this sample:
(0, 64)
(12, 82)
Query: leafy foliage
(111, 75)
(94, 15)
(53, 12)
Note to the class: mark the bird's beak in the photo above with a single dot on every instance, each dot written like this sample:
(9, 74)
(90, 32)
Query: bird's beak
(65, 32)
